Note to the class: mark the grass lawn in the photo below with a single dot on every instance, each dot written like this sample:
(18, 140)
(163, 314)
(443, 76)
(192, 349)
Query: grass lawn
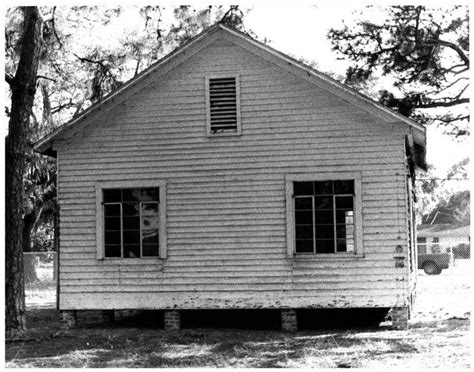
(439, 336)
(442, 343)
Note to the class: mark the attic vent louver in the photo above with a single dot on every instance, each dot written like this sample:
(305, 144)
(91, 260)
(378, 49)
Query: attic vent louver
(223, 105)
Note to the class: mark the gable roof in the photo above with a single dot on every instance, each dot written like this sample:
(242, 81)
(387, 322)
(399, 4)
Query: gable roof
(443, 230)
(179, 55)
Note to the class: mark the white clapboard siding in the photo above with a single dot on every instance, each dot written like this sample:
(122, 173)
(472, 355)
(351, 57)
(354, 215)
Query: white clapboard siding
(226, 207)
(127, 298)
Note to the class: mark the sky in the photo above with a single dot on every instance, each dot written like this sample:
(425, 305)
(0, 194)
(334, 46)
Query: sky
(299, 28)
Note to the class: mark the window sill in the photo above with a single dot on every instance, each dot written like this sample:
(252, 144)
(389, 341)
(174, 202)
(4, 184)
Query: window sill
(130, 261)
(327, 256)
(215, 135)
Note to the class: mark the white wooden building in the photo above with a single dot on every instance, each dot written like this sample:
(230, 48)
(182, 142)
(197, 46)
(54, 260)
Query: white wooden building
(442, 238)
(229, 175)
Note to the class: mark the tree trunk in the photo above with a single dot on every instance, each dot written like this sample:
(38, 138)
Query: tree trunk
(23, 88)
(29, 266)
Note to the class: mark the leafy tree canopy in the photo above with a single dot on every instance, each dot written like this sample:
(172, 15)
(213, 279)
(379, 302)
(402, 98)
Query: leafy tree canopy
(424, 52)
(454, 210)
(444, 200)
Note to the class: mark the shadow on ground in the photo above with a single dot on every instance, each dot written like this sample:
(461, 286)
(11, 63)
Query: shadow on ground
(213, 339)
(261, 319)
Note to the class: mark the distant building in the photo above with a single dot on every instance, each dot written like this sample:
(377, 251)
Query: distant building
(442, 238)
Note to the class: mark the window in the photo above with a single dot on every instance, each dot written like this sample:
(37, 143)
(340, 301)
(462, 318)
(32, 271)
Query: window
(131, 220)
(223, 105)
(421, 241)
(324, 214)
(435, 247)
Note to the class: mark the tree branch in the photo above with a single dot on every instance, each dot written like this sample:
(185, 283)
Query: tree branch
(137, 67)
(53, 25)
(451, 69)
(100, 63)
(450, 120)
(47, 116)
(453, 83)
(443, 104)
(9, 79)
(46, 78)
(462, 91)
(45, 201)
(450, 45)
(58, 108)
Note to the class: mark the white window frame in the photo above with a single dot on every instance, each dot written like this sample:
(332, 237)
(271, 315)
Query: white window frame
(208, 105)
(290, 211)
(100, 186)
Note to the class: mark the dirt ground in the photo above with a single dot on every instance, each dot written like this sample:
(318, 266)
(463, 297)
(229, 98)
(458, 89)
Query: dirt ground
(439, 336)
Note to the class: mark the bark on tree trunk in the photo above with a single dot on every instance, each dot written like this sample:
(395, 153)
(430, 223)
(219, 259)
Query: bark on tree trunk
(23, 88)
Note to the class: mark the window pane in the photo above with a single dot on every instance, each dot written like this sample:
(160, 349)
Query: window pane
(150, 194)
(112, 250)
(149, 223)
(341, 245)
(324, 246)
(304, 232)
(303, 203)
(344, 187)
(323, 188)
(422, 249)
(344, 202)
(111, 210)
(303, 217)
(131, 250)
(112, 195)
(345, 232)
(323, 202)
(112, 223)
(324, 217)
(341, 231)
(131, 223)
(150, 250)
(130, 209)
(112, 237)
(149, 209)
(324, 231)
(131, 194)
(150, 239)
(304, 246)
(345, 216)
(150, 232)
(131, 237)
(303, 188)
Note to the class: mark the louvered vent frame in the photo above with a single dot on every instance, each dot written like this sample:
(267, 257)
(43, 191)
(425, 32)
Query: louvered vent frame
(223, 105)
